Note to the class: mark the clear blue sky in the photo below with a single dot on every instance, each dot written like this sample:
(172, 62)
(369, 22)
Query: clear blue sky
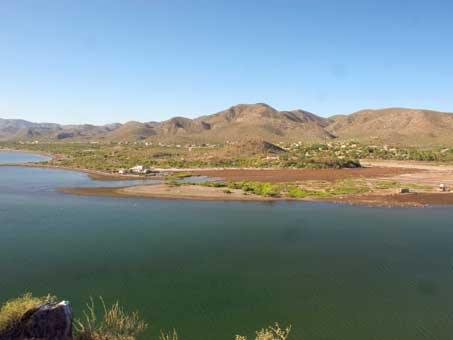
(107, 61)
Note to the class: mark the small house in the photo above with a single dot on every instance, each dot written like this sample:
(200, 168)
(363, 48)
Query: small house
(404, 190)
(123, 171)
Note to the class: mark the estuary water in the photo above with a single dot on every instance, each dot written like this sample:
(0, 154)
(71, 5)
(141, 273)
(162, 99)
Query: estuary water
(215, 269)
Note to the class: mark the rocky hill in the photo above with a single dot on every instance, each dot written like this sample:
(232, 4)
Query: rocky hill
(256, 121)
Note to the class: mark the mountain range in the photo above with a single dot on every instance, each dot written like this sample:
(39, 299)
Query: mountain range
(398, 126)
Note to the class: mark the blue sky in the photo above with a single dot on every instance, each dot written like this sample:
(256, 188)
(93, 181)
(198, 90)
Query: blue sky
(107, 61)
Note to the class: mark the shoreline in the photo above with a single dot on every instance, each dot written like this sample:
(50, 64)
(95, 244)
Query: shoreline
(404, 172)
(200, 193)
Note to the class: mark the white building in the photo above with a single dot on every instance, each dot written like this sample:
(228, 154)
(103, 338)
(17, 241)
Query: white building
(137, 169)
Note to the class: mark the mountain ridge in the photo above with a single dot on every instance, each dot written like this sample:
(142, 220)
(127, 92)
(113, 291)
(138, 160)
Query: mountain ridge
(403, 126)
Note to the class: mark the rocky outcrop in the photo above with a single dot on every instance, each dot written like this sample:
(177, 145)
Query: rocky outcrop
(49, 321)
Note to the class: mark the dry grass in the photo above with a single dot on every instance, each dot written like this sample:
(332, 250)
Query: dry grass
(270, 333)
(114, 324)
(12, 311)
(168, 336)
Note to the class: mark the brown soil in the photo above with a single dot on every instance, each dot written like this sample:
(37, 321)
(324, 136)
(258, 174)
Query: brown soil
(294, 175)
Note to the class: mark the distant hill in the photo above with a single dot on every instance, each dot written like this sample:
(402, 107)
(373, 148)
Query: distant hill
(395, 126)
(256, 122)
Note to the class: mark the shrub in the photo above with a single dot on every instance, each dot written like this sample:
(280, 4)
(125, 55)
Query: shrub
(13, 310)
(296, 192)
(114, 324)
(214, 184)
(257, 188)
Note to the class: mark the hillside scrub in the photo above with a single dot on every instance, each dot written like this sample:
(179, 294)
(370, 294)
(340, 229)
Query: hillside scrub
(110, 157)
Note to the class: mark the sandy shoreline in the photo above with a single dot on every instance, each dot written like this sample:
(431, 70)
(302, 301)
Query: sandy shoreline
(164, 191)
(196, 192)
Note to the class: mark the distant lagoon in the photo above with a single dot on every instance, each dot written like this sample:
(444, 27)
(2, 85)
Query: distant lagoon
(216, 269)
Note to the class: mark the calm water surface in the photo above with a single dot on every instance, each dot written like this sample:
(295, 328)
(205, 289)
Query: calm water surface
(20, 157)
(214, 269)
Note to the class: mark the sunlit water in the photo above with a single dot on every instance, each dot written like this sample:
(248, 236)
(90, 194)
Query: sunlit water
(215, 269)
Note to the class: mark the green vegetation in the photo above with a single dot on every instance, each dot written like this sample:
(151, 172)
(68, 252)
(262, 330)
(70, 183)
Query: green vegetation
(112, 323)
(290, 190)
(387, 185)
(13, 310)
(258, 188)
(110, 157)
(306, 189)
(348, 187)
(295, 191)
(113, 156)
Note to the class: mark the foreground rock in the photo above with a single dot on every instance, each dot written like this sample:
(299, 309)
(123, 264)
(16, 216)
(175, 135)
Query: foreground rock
(49, 321)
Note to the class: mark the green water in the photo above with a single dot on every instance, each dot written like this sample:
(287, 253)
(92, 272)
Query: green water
(215, 269)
